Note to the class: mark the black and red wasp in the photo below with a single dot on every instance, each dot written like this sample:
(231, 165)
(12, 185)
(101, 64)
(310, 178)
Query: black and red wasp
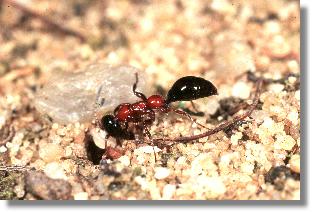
(129, 119)
(142, 113)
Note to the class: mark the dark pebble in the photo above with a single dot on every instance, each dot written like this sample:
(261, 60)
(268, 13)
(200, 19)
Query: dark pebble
(43, 187)
(278, 175)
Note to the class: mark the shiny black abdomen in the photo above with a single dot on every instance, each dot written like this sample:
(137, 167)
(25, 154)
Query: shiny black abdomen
(190, 88)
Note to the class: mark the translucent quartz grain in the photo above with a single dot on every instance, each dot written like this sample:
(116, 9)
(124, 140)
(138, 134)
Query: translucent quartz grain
(70, 97)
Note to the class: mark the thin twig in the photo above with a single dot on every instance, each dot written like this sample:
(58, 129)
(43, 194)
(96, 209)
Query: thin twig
(221, 126)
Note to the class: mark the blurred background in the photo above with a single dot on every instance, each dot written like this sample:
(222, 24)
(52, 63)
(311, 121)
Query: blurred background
(219, 39)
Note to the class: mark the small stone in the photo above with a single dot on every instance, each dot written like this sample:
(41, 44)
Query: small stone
(68, 151)
(69, 166)
(81, 196)
(278, 47)
(235, 138)
(276, 88)
(247, 168)
(251, 188)
(142, 182)
(55, 126)
(168, 191)
(223, 7)
(72, 96)
(292, 80)
(181, 160)
(154, 190)
(284, 142)
(297, 95)
(214, 186)
(147, 150)
(241, 90)
(293, 66)
(225, 161)
(259, 115)
(3, 149)
(100, 140)
(125, 160)
(268, 123)
(40, 185)
(61, 131)
(80, 138)
(161, 173)
(54, 170)
(51, 152)
(293, 116)
(262, 62)
(272, 27)
(140, 158)
(294, 163)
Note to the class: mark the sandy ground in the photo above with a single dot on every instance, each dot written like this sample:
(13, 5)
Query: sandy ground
(216, 39)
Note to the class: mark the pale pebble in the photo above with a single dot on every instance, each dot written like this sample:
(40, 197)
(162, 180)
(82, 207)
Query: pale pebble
(294, 163)
(247, 168)
(100, 140)
(141, 159)
(161, 173)
(81, 196)
(142, 182)
(293, 66)
(235, 138)
(285, 142)
(276, 87)
(268, 123)
(181, 160)
(147, 150)
(3, 149)
(293, 116)
(51, 152)
(297, 95)
(272, 27)
(71, 97)
(168, 191)
(223, 7)
(214, 186)
(68, 151)
(259, 115)
(55, 170)
(125, 160)
(241, 90)
(278, 47)
(292, 80)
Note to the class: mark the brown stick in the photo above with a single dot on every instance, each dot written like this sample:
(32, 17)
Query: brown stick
(63, 29)
(221, 126)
